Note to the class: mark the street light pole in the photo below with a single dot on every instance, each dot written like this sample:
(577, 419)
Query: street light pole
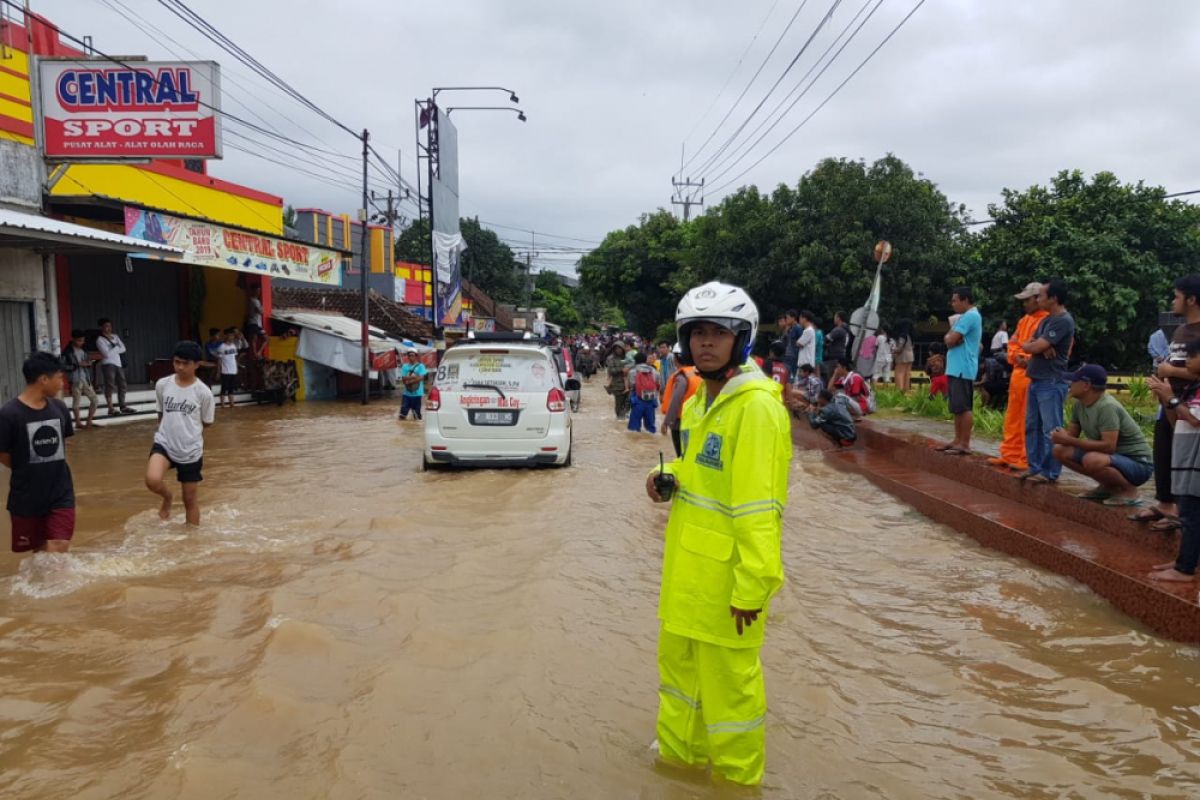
(520, 114)
(427, 117)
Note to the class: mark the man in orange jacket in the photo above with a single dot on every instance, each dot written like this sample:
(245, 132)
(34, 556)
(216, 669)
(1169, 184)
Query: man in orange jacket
(1012, 449)
(679, 389)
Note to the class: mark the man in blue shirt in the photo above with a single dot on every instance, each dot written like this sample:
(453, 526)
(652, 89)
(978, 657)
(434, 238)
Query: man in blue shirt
(412, 375)
(962, 367)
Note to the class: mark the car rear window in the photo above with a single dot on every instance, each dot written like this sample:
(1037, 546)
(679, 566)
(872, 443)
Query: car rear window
(510, 370)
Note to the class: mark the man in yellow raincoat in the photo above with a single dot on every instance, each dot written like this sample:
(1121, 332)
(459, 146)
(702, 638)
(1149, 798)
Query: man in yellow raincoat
(721, 563)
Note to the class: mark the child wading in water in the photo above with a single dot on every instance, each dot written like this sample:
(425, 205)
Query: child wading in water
(34, 428)
(185, 408)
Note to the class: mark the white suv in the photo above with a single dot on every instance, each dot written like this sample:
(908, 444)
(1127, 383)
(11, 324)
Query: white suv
(498, 402)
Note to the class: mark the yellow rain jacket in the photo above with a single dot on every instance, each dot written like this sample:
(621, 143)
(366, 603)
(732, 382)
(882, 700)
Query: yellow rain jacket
(723, 537)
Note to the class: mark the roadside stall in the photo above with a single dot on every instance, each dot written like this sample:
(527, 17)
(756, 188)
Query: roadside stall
(330, 353)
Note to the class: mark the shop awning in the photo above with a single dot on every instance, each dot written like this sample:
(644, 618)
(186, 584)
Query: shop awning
(26, 231)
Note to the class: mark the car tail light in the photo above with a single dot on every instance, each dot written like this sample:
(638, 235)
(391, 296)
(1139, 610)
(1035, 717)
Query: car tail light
(435, 400)
(557, 400)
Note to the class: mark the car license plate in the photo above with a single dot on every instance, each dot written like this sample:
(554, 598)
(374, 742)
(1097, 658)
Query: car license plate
(493, 418)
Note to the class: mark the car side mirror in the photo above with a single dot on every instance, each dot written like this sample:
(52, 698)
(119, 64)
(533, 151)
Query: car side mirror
(573, 385)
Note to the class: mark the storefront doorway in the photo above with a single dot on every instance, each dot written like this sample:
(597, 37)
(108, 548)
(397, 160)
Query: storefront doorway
(142, 301)
(16, 342)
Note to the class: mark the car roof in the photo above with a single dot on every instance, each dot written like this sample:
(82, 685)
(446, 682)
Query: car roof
(511, 346)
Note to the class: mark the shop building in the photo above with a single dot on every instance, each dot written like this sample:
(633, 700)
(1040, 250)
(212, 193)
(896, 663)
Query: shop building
(31, 243)
(208, 246)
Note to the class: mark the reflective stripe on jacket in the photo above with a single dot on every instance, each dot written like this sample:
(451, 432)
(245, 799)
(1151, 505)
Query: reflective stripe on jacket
(723, 537)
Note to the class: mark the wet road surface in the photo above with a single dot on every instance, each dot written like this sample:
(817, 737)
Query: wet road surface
(345, 626)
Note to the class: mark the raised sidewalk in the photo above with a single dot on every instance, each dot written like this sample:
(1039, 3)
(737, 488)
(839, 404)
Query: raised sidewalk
(1077, 538)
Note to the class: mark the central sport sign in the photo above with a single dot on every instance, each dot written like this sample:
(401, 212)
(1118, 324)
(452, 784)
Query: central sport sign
(93, 110)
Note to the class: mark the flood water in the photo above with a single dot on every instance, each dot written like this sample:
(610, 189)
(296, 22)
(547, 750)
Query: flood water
(346, 626)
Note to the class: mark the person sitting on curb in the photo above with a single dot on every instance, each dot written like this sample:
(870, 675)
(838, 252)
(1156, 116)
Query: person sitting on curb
(833, 419)
(1113, 451)
(848, 382)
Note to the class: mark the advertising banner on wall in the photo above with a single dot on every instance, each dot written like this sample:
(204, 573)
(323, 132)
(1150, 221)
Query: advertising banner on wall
(212, 245)
(153, 109)
(448, 244)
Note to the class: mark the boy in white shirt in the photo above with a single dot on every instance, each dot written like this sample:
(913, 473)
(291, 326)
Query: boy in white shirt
(227, 355)
(185, 409)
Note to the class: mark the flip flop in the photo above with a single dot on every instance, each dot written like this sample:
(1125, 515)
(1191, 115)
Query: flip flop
(1146, 515)
(956, 451)
(1166, 524)
(945, 448)
(1124, 502)
(1096, 495)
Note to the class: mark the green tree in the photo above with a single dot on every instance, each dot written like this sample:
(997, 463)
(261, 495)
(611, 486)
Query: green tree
(632, 269)
(552, 294)
(289, 216)
(595, 313)
(1118, 246)
(487, 262)
(812, 246)
(412, 245)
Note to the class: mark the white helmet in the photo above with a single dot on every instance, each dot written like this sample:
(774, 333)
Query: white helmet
(724, 305)
(676, 350)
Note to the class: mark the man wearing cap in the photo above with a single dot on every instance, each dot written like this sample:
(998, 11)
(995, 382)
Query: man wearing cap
(412, 375)
(1012, 449)
(1049, 352)
(1113, 451)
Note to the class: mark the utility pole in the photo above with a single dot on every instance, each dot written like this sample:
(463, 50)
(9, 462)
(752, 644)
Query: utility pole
(390, 214)
(685, 195)
(362, 275)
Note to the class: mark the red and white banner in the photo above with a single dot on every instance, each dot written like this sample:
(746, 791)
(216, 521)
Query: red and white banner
(154, 109)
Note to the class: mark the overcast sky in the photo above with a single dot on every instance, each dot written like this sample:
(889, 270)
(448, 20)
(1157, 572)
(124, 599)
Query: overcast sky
(975, 95)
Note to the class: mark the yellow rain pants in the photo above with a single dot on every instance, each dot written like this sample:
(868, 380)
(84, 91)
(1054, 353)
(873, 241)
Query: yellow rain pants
(712, 707)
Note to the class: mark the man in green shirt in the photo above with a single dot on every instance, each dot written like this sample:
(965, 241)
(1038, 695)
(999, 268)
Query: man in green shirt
(1113, 450)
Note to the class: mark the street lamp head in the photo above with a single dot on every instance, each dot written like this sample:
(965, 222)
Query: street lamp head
(513, 97)
(521, 116)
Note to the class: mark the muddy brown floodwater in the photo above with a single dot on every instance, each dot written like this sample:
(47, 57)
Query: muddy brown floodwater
(345, 626)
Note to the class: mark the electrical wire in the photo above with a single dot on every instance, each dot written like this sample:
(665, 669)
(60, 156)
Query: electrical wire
(318, 176)
(832, 94)
(727, 164)
(538, 233)
(101, 55)
(732, 73)
(210, 31)
(741, 96)
(799, 54)
(227, 75)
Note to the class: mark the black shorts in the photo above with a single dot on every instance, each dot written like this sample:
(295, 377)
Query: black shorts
(186, 473)
(229, 383)
(962, 395)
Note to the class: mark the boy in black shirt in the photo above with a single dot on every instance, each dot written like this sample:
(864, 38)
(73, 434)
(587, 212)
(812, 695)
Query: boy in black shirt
(34, 427)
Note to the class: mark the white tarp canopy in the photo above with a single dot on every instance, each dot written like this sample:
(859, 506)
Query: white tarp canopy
(336, 341)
